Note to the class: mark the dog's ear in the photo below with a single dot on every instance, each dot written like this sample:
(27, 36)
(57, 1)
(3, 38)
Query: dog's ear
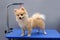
(22, 8)
(15, 10)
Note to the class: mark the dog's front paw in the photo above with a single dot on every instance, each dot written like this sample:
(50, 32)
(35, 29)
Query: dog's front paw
(29, 35)
(45, 33)
(22, 34)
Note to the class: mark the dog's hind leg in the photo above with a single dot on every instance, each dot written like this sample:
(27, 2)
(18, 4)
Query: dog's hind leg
(44, 30)
(42, 26)
(38, 30)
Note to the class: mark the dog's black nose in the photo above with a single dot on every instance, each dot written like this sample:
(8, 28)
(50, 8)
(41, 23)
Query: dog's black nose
(20, 18)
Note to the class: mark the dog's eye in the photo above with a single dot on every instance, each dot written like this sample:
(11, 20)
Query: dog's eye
(21, 14)
(17, 15)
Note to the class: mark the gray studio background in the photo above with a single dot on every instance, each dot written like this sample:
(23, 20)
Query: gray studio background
(51, 8)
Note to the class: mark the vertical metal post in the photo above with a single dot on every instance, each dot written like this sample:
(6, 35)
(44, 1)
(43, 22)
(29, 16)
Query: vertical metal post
(7, 19)
(8, 14)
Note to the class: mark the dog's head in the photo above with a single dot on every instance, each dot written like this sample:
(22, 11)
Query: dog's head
(20, 13)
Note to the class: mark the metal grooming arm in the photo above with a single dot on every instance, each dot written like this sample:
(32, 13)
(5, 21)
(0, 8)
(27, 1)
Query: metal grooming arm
(7, 31)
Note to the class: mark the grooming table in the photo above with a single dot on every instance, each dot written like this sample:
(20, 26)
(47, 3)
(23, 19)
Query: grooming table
(15, 35)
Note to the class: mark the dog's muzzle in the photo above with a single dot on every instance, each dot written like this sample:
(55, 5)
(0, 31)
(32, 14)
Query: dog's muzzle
(21, 17)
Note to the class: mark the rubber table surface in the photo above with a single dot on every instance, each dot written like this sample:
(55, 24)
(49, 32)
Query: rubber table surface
(17, 32)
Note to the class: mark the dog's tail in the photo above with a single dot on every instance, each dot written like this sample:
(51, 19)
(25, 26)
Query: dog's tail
(38, 16)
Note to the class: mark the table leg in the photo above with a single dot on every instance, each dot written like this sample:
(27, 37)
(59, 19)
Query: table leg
(10, 39)
(14, 39)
